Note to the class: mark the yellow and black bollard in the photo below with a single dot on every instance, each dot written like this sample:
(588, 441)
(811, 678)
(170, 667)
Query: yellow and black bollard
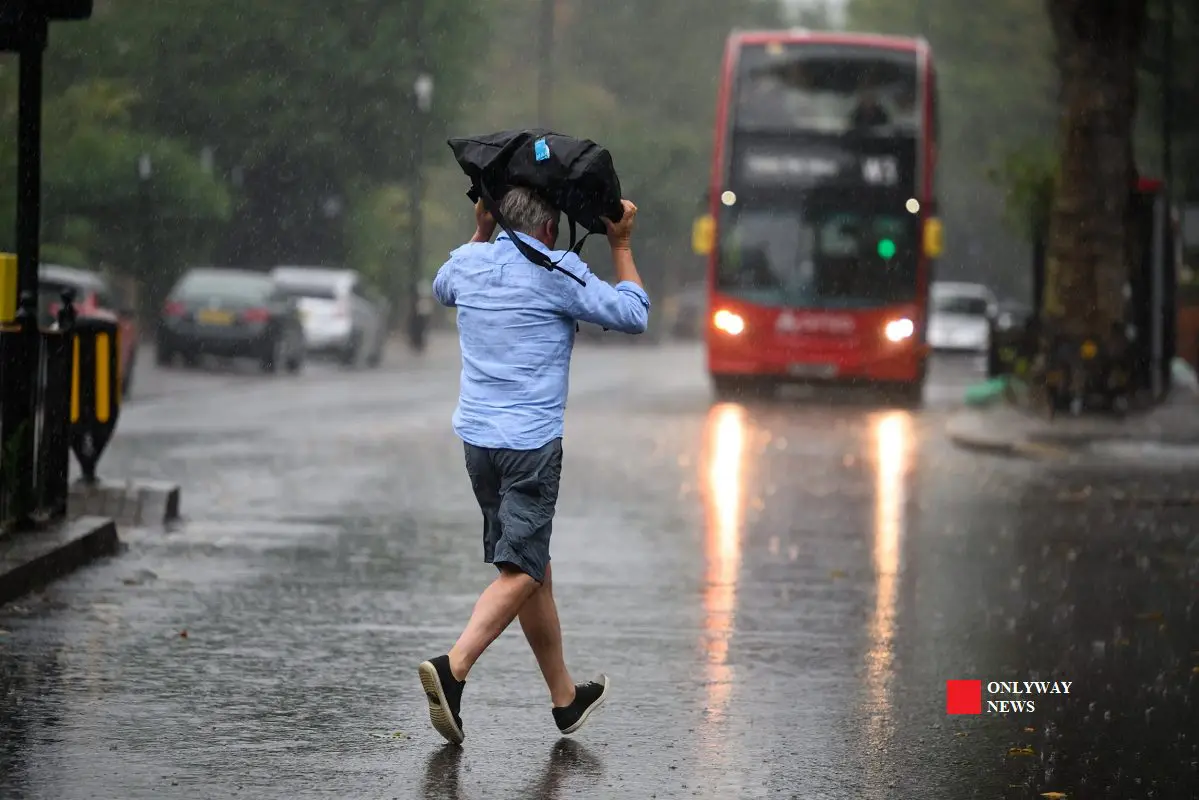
(95, 390)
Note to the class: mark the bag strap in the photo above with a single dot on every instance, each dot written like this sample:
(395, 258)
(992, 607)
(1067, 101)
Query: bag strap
(577, 248)
(533, 254)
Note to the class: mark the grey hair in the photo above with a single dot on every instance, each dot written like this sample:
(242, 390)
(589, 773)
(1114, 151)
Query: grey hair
(525, 211)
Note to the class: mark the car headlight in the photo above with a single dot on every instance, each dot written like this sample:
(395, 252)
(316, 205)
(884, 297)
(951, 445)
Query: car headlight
(727, 321)
(899, 329)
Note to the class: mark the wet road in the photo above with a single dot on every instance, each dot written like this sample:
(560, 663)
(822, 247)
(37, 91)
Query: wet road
(778, 592)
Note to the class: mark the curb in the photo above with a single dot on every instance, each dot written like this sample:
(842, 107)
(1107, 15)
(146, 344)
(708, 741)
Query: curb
(132, 503)
(29, 561)
(1011, 448)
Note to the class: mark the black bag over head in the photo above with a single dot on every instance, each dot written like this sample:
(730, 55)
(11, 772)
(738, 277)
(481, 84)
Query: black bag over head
(576, 176)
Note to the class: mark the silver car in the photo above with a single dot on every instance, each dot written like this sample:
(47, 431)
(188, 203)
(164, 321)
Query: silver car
(960, 317)
(342, 317)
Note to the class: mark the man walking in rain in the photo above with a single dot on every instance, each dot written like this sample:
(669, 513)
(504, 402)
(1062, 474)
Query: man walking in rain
(516, 326)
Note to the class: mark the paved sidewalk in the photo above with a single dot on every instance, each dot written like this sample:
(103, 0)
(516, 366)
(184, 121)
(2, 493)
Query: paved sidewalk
(1007, 430)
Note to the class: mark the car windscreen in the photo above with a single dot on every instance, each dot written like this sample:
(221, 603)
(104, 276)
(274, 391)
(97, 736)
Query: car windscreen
(233, 287)
(313, 291)
(817, 258)
(967, 305)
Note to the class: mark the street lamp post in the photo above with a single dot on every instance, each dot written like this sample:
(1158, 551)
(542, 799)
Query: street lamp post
(422, 89)
(1168, 102)
(145, 171)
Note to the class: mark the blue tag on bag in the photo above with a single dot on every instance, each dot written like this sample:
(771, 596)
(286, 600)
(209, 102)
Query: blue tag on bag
(541, 150)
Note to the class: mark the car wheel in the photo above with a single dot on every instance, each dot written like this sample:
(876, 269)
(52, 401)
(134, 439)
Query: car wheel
(127, 379)
(191, 358)
(273, 355)
(349, 356)
(376, 356)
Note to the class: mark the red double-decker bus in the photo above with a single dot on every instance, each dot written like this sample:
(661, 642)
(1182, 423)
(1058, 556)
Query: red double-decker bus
(821, 231)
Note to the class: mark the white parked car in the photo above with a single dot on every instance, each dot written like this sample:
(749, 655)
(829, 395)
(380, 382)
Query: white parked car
(341, 316)
(960, 316)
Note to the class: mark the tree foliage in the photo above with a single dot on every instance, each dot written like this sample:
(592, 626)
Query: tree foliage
(91, 189)
(300, 114)
(1029, 175)
(301, 108)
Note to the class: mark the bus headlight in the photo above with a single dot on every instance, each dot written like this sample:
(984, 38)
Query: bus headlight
(899, 329)
(727, 321)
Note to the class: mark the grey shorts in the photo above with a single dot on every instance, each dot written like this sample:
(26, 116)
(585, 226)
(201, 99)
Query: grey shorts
(517, 492)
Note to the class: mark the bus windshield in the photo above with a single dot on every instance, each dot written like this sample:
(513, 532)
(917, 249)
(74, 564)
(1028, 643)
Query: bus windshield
(826, 258)
(824, 88)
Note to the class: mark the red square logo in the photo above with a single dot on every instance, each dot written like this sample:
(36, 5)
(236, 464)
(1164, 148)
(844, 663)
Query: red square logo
(963, 697)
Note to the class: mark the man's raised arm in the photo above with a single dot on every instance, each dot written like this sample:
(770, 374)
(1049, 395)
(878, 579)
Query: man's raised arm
(484, 224)
(625, 306)
(443, 288)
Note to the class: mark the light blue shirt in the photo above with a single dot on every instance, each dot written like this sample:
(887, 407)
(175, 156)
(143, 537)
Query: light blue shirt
(516, 327)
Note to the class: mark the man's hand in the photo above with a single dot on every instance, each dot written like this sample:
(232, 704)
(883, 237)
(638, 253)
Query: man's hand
(620, 233)
(484, 223)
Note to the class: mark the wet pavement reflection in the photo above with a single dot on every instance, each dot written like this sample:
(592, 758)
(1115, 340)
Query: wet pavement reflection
(779, 592)
(724, 489)
(569, 762)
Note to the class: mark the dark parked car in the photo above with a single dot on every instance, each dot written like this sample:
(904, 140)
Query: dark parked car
(231, 313)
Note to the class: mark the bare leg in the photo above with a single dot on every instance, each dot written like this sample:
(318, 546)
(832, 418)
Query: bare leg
(494, 611)
(539, 621)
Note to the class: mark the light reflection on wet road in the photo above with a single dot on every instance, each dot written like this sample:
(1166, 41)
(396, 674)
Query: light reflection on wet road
(778, 590)
(891, 434)
(725, 493)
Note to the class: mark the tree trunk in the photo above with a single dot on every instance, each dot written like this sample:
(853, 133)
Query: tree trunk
(1098, 48)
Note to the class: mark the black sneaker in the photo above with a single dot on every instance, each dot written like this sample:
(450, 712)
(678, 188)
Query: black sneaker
(588, 697)
(445, 697)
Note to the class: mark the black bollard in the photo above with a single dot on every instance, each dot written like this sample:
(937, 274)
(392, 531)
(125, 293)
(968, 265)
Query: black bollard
(20, 359)
(54, 449)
